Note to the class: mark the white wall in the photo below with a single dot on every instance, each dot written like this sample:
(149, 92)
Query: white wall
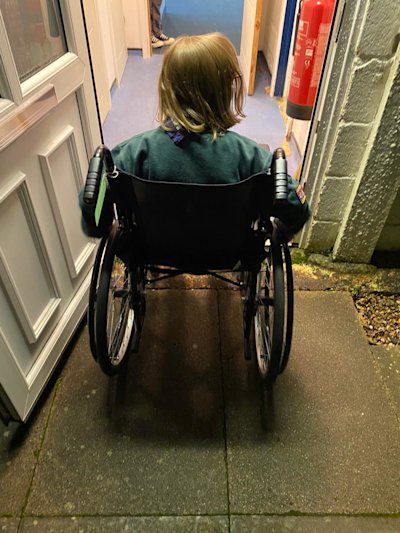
(300, 131)
(272, 24)
(108, 59)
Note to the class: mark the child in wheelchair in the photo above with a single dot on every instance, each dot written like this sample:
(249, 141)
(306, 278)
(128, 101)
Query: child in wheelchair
(193, 196)
(201, 96)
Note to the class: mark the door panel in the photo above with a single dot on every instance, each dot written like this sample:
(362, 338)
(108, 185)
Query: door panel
(34, 303)
(56, 234)
(249, 43)
(45, 141)
(60, 158)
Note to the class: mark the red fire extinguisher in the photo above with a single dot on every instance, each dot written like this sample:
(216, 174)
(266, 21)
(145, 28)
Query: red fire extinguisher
(311, 41)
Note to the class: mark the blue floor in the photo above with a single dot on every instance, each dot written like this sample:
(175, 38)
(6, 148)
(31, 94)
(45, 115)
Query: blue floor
(134, 106)
(193, 17)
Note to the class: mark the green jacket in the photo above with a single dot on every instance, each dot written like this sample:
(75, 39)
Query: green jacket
(197, 159)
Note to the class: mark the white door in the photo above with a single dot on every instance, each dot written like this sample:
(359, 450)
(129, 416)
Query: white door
(48, 130)
(252, 10)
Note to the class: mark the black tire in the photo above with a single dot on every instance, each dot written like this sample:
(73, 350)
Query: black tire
(94, 285)
(269, 320)
(289, 308)
(248, 294)
(139, 305)
(115, 320)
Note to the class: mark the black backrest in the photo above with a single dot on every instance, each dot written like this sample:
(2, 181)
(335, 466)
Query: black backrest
(193, 226)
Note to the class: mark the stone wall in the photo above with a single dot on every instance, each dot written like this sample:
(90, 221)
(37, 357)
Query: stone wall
(361, 100)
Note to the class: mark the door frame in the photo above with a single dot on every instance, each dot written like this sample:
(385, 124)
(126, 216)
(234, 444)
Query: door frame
(278, 84)
(249, 64)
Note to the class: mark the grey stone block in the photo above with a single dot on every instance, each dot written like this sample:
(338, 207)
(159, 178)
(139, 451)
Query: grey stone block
(151, 440)
(145, 524)
(333, 199)
(314, 524)
(387, 359)
(322, 236)
(19, 448)
(9, 525)
(379, 31)
(365, 91)
(348, 150)
(327, 442)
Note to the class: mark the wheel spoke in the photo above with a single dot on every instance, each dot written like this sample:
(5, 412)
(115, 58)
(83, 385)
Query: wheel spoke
(115, 318)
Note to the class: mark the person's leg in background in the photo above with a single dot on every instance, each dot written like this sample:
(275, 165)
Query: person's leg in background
(158, 38)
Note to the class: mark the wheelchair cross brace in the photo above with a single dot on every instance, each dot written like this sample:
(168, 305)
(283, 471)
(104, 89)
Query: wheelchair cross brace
(173, 272)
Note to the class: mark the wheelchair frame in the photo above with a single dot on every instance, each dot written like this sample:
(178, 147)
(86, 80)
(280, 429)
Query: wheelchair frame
(117, 300)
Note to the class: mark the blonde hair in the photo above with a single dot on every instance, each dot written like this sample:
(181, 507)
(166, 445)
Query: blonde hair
(200, 86)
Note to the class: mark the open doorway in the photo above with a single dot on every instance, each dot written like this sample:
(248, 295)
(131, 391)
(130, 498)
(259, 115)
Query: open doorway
(193, 17)
(269, 29)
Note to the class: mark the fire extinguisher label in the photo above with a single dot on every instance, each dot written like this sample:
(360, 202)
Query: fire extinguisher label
(295, 81)
(324, 30)
(303, 28)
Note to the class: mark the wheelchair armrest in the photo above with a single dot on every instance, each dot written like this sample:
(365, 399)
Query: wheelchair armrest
(101, 158)
(280, 177)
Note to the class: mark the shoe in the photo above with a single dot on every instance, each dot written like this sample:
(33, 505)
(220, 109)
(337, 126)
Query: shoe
(166, 40)
(156, 43)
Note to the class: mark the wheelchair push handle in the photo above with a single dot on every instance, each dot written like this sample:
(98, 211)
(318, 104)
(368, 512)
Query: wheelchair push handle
(101, 158)
(279, 172)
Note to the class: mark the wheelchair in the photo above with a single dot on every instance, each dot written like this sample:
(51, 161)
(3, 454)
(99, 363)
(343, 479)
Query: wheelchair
(156, 230)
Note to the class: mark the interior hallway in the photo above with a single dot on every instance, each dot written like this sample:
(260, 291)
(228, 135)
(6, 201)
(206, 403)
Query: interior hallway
(134, 107)
(194, 17)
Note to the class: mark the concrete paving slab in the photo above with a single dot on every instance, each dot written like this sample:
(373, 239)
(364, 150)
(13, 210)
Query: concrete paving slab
(9, 525)
(19, 448)
(331, 442)
(145, 524)
(387, 359)
(313, 524)
(150, 441)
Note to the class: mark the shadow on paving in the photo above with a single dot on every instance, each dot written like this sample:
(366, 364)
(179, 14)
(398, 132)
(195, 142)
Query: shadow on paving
(333, 443)
(147, 442)
(186, 430)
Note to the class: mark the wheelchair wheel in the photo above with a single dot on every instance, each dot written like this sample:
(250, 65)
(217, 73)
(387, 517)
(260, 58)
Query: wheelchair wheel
(115, 320)
(248, 296)
(289, 307)
(94, 286)
(269, 320)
